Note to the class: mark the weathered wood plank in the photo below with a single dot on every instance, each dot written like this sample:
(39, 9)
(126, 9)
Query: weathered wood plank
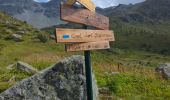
(84, 16)
(70, 2)
(88, 4)
(81, 35)
(87, 46)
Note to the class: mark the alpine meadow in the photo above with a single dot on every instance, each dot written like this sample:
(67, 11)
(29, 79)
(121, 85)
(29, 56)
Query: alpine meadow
(136, 67)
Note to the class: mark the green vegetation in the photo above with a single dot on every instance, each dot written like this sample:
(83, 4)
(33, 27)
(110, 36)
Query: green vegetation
(138, 87)
(137, 78)
(146, 37)
(43, 37)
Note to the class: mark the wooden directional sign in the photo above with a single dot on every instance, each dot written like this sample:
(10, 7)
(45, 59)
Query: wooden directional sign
(87, 46)
(88, 4)
(80, 35)
(84, 16)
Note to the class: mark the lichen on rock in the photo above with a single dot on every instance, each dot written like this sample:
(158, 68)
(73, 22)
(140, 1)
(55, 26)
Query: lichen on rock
(62, 81)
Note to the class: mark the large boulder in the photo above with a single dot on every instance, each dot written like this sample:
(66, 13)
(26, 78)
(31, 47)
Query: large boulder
(164, 70)
(62, 81)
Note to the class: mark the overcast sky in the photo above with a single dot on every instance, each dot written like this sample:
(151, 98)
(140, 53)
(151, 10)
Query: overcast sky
(107, 3)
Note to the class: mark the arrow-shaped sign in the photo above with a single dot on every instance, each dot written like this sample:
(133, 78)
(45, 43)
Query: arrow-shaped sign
(80, 35)
(84, 16)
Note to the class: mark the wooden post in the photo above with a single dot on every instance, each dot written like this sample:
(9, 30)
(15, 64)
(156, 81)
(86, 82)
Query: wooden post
(89, 83)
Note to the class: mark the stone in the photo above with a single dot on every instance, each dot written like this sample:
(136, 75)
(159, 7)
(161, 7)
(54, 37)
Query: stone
(10, 67)
(115, 73)
(95, 88)
(21, 32)
(105, 94)
(12, 79)
(164, 70)
(63, 81)
(26, 67)
(111, 74)
(52, 36)
(104, 90)
(16, 37)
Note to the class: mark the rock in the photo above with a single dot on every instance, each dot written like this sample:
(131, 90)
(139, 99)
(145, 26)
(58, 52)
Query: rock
(21, 32)
(7, 22)
(16, 37)
(95, 88)
(164, 70)
(104, 90)
(10, 67)
(52, 36)
(105, 94)
(115, 73)
(112, 73)
(26, 67)
(62, 81)
(13, 79)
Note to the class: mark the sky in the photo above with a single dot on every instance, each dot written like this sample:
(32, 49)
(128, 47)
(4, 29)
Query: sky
(107, 3)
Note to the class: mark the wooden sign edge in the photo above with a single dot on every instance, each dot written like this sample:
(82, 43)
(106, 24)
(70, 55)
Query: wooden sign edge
(107, 28)
(88, 49)
(93, 10)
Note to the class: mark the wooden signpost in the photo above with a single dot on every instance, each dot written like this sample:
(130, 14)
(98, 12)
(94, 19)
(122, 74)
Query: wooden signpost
(84, 16)
(84, 39)
(81, 35)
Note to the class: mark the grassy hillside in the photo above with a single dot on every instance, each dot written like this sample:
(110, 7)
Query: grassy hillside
(147, 37)
(137, 77)
(144, 26)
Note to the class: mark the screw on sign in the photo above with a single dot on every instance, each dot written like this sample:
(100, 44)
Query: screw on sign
(84, 39)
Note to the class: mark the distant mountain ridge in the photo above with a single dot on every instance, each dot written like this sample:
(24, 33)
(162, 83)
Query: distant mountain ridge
(148, 11)
(37, 14)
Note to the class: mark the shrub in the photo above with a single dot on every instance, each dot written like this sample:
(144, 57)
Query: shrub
(43, 37)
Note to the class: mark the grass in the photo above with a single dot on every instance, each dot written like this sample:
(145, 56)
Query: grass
(137, 78)
(137, 86)
(135, 67)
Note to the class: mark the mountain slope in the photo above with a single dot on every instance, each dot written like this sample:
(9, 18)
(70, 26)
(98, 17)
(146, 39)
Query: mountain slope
(144, 26)
(150, 10)
(37, 14)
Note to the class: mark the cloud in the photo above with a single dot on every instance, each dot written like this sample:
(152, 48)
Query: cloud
(41, 0)
(130, 1)
(106, 3)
